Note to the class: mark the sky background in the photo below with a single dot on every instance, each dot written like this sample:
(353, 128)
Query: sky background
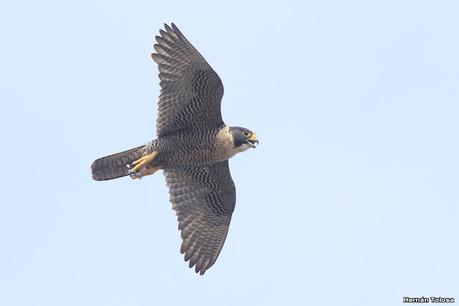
(351, 198)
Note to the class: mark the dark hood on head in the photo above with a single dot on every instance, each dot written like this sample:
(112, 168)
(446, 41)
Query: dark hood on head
(238, 135)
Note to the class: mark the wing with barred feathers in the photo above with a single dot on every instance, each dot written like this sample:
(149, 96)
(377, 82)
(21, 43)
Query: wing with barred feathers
(191, 91)
(204, 198)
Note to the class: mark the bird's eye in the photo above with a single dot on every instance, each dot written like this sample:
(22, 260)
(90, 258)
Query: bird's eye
(245, 133)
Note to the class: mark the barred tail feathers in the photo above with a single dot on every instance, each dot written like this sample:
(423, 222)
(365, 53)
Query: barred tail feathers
(115, 165)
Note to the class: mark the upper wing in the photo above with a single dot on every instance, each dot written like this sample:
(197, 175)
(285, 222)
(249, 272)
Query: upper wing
(191, 91)
(203, 198)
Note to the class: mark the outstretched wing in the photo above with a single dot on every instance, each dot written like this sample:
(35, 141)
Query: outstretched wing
(191, 91)
(203, 198)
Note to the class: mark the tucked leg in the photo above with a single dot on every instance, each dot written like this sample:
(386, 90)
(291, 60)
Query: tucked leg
(140, 168)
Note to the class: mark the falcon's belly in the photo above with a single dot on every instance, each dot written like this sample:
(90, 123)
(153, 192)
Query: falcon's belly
(186, 149)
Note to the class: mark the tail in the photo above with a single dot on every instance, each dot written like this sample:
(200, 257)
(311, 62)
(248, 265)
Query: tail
(114, 166)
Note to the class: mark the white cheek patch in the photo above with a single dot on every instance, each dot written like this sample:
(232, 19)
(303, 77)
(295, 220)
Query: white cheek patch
(224, 137)
(243, 147)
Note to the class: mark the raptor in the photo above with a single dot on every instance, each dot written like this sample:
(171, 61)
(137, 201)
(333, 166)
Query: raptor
(192, 148)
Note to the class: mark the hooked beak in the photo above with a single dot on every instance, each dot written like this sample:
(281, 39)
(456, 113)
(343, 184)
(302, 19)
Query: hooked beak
(252, 140)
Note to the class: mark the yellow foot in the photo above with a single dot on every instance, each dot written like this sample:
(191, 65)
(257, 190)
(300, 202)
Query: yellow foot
(139, 168)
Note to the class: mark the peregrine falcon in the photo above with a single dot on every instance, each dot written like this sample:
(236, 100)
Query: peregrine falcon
(192, 148)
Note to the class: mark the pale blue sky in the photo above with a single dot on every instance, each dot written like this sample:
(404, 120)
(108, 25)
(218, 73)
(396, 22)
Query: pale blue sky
(351, 198)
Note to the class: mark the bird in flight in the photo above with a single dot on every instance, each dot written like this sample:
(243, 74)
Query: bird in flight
(192, 147)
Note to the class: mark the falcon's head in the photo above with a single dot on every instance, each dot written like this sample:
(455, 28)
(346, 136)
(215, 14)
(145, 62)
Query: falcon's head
(231, 140)
(243, 138)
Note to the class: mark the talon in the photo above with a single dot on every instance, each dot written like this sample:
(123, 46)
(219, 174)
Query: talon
(135, 175)
(140, 166)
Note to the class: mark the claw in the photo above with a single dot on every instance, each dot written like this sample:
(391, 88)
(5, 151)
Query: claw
(134, 174)
(139, 168)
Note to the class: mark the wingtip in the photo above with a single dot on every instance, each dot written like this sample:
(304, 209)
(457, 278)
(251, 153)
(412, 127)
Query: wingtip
(200, 271)
(168, 28)
(171, 28)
